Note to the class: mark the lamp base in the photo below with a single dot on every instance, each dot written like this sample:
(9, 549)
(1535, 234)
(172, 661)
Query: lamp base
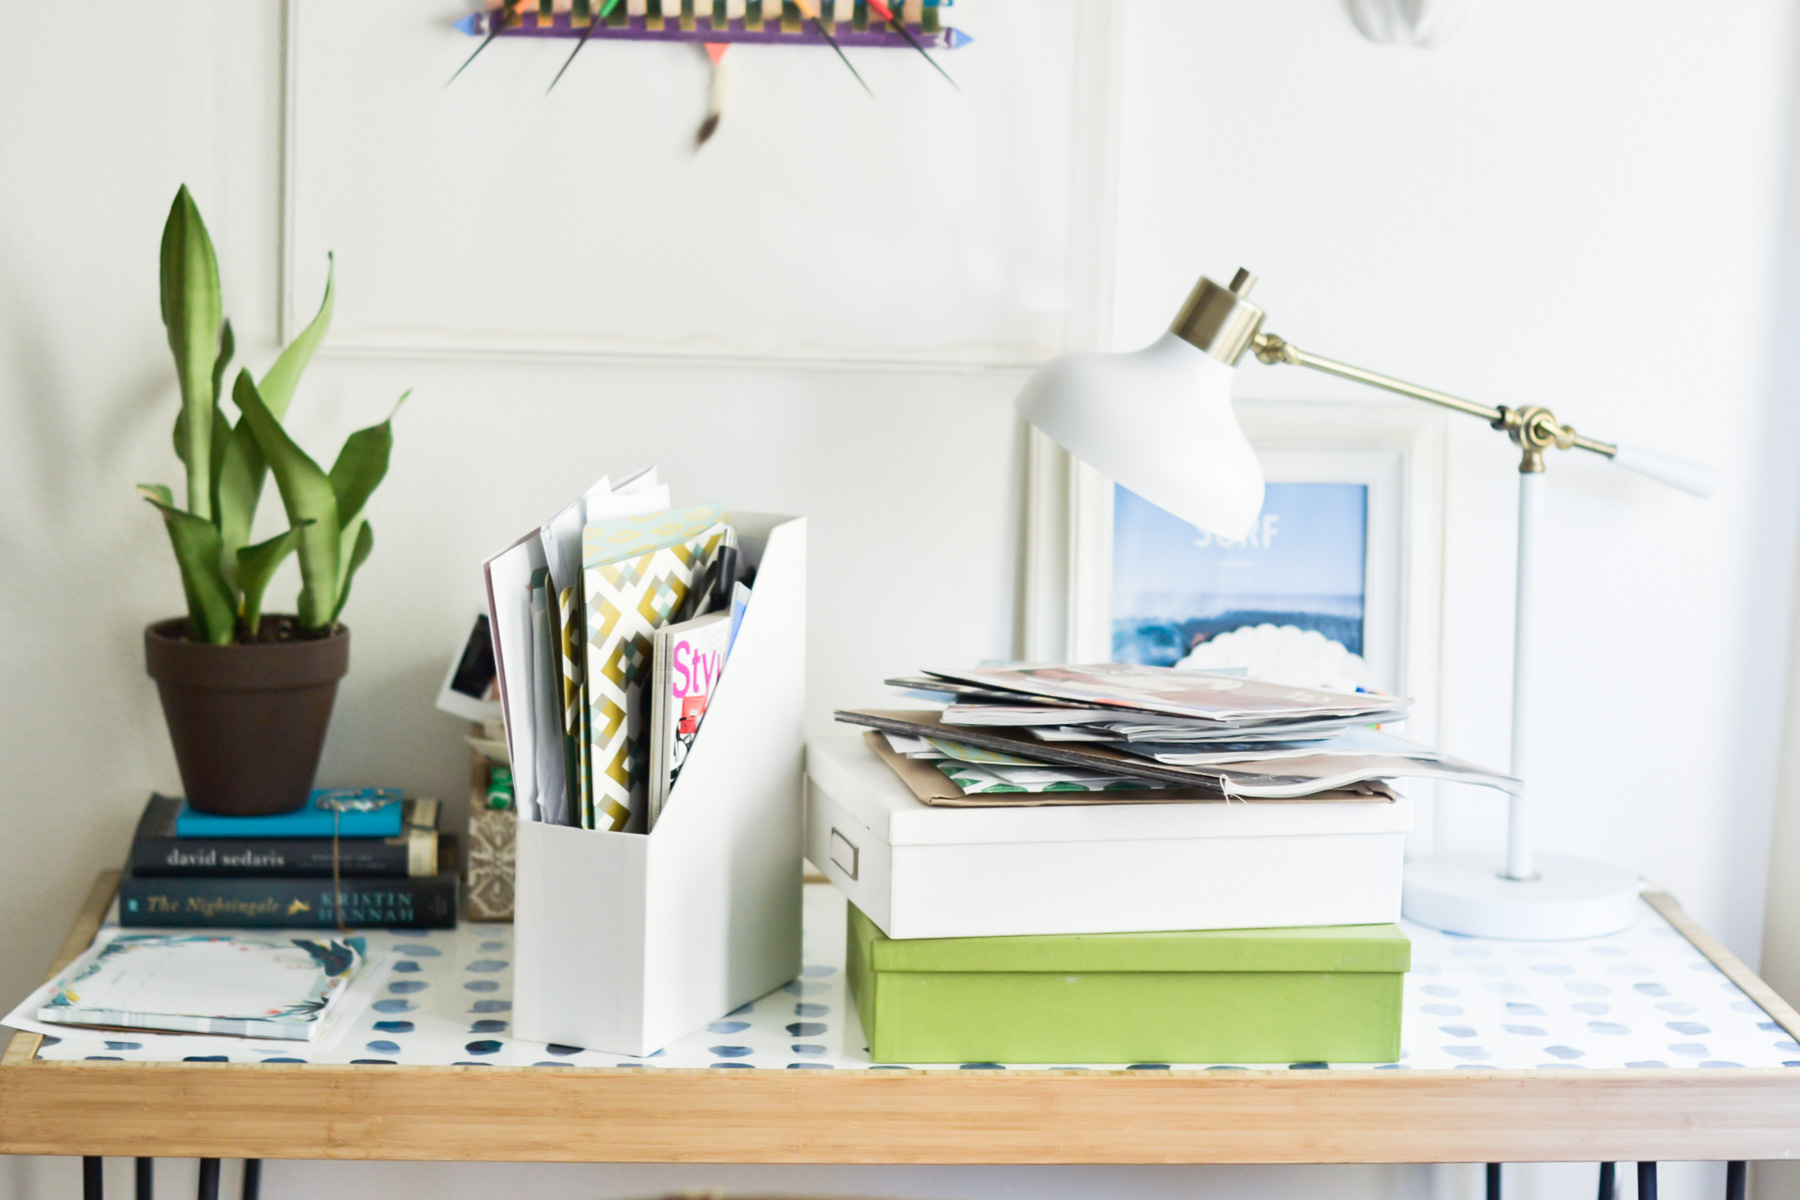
(1570, 898)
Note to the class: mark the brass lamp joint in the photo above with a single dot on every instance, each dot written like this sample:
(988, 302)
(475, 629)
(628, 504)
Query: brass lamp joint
(1534, 429)
(1273, 349)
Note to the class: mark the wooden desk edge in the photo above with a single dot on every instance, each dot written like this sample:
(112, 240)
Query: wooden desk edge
(1733, 968)
(501, 1114)
(23, 1047)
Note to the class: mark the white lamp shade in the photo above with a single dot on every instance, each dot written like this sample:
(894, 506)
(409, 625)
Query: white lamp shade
(1158, 421)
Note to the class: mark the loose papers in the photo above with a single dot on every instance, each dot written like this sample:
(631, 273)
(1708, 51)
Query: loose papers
(1088, 727)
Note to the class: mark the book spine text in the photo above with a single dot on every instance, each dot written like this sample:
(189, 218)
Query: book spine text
(287, 903)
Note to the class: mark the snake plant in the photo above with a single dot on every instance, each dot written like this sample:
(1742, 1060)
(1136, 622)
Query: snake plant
(223, 574)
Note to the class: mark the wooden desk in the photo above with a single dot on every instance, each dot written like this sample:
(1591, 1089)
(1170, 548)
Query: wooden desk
(644, 1113)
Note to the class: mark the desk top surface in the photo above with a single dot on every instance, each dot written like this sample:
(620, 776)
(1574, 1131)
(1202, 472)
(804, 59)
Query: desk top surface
(1651, 1043)
(1644, 999)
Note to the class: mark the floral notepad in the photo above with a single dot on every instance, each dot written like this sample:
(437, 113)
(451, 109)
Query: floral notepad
(239, 984)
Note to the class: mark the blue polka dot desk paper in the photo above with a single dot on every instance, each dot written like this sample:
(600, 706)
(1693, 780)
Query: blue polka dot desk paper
(1645, 998)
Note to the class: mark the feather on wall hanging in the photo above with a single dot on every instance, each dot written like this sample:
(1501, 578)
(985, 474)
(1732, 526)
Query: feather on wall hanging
(717, 25)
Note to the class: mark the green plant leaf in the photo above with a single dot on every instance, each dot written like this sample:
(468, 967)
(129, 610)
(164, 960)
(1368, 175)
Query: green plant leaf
(221, 429)
(277, 386)
(362, 464)
(306, 494)
(243, 469)
(227, 347)
(211, 615)
(190, 313)
(361, 547)
(257, 565)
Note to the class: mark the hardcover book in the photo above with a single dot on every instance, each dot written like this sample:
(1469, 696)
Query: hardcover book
(157, 848)
(187, 901)
(350, 812)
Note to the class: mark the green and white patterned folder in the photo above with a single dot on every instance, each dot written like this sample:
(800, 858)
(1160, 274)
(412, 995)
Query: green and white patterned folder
(636, 572)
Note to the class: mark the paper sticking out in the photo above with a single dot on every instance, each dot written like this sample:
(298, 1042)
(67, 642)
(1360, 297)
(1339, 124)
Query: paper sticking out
(508, 575)
(555, 549)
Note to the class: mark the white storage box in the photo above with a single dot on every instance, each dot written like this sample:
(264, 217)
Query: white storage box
(626, 941)
(923, 871)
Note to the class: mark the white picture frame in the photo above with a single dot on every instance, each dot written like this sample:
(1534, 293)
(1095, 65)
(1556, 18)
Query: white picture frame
(1395, 449)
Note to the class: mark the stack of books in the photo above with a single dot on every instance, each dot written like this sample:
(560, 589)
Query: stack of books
(350, 858)
(1122, 864)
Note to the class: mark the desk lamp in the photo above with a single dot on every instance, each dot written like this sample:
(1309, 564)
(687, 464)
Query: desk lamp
(1160, 422)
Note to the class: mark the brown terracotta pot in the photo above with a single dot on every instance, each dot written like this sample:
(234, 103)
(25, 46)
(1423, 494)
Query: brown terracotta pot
(247, 721)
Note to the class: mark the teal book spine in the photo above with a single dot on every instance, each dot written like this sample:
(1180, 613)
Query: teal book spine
(315, 819)
(185, 902)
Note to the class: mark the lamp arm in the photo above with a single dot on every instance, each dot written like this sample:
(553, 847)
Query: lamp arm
(1273, 350)
(1533, 429)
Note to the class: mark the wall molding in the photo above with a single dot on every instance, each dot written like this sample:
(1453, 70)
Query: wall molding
(1087, 274)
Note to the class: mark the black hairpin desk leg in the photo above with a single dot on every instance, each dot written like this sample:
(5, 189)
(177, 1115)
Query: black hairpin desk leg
(146, 1179)
(1493, 1181)
(1606, 1181)
(93, 1179)
(253, 1179)
(209, 1179)
(1646, 1181)
(1736, 1179)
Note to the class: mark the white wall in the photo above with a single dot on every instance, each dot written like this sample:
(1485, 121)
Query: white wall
(1781, 934)
(1575, 205)
(1572, 205)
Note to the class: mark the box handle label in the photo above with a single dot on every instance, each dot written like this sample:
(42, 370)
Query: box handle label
(844, 853)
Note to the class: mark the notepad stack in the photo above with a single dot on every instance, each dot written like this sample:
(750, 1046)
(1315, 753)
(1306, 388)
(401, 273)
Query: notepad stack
(351, 857)
(1121, 864)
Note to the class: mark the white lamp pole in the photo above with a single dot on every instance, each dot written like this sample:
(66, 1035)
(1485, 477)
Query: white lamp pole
(1524, 895)
(1518, 810)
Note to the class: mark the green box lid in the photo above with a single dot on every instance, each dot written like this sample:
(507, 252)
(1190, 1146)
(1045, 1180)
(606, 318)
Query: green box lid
(1370, 948)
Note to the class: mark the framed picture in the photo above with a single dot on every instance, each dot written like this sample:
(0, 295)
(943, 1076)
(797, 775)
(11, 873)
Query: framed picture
(1183, 597)
(1341, 575)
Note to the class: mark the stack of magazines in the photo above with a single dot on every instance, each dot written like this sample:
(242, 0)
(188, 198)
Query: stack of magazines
(1122, 731)
(611, 625)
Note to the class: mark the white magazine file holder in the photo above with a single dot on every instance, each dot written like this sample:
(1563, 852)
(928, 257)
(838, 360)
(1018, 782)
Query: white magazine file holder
(623, 942)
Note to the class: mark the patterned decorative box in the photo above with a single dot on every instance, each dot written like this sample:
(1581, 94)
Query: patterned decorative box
(1330, 994)
(490, 866)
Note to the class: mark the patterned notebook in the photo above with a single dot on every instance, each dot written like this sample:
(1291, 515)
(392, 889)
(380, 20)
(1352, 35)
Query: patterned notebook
(240, 984)
(636, 572)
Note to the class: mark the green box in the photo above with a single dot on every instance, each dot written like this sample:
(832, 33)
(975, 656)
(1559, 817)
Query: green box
(1326, 994)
